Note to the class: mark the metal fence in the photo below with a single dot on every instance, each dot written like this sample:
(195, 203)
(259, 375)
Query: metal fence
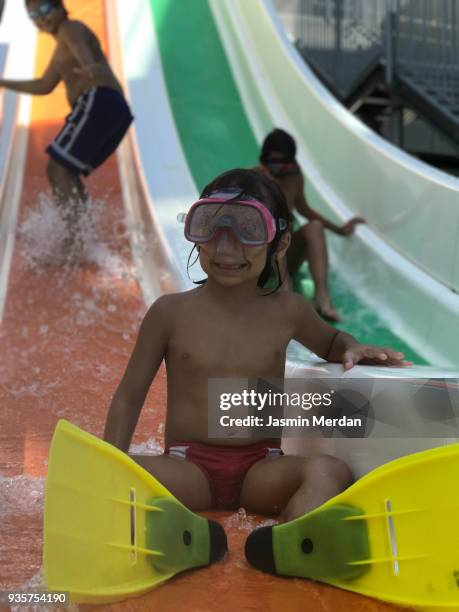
(334, 24)
(342, 39)
(426, 46)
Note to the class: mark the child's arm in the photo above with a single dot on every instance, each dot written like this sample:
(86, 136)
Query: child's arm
(334, 345)
(45, 85)
(145, 360)
(302, 206)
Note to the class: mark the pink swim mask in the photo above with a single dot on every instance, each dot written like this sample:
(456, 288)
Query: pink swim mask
(250, 220)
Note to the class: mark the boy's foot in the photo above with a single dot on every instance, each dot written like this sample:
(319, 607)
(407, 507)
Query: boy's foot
(322, 545)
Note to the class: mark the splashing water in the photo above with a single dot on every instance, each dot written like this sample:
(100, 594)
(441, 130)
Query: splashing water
(150, 447)
(240, 521)
(43, 233)
(44, 238)
(21, 495)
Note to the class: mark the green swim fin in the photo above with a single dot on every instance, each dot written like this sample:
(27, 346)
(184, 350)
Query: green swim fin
(393, 535)
(322, 545)
(111, 530)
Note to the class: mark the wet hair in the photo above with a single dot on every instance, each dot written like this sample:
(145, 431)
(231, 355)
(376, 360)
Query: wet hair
(256, 185)
(54, 3)
(280, 142)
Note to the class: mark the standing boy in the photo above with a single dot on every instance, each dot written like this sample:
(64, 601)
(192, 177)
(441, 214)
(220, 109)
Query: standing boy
(100, 115)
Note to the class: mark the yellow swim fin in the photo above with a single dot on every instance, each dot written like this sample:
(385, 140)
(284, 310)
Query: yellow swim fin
(111, 530)
(393, 535)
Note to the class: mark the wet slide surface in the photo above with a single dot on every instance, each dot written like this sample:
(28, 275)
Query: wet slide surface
(66, 336)
(67, 331)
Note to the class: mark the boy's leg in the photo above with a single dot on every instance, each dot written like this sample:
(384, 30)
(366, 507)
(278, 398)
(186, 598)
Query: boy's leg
(98, 121)
(70, 195)
(293, 485)
(181, 477)
(309, 243)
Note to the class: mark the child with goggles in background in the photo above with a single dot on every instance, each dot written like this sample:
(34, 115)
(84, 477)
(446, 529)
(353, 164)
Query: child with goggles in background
(231, 327)
(277, 160)
(100, 115)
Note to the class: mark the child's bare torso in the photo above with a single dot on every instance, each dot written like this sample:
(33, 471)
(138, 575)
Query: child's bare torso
(210, 340)
(64, 63)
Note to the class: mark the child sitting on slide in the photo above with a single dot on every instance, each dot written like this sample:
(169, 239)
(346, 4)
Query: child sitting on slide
(230, 327)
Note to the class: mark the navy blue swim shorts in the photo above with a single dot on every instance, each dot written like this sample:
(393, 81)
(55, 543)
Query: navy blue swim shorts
(99, 119)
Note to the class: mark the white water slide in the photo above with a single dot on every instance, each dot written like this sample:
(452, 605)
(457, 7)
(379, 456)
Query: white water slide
(404, 263)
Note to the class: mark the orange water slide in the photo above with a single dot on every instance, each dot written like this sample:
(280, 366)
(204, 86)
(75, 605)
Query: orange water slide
(66, 332)
(66, 335)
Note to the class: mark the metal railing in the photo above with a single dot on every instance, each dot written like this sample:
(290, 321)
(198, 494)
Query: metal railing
(419, 38)
(343, 25)
(427, 47)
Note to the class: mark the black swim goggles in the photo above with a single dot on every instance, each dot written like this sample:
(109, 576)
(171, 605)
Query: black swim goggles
(43, 10)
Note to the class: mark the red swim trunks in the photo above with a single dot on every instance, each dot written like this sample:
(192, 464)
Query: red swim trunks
(225, 467)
